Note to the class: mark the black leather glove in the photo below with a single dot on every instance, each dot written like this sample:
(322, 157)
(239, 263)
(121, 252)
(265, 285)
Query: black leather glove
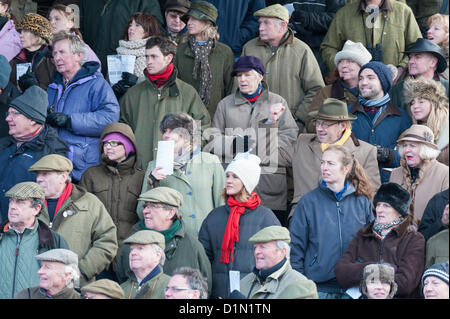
(59, 120)
(27, 80)
(384, 154)
(121, 87)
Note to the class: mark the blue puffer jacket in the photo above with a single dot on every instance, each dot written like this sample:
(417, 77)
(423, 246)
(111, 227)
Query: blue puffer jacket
(391, 123)
(15, 161)
(92, 105)
(322, 228)
(236, 22)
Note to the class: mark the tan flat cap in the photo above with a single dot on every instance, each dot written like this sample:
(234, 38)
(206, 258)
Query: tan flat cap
(274, 11)
(164, 195)
(145, 237)
(271, 233)
(105, 287)
(26, 190)
(64, 256)
(52, 162)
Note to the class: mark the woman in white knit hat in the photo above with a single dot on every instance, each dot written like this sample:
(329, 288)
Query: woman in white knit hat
(225, 232)
(344, 85)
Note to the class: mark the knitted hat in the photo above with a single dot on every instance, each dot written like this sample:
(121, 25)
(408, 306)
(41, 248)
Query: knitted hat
(32, 103)
(427, 89)
(438, 270)
(379, 271)
(246, 167)
(394, 195)
(247, 63)
(36, 24)
(127, 144)
(382, 71)
(5, 71)
(355, 52)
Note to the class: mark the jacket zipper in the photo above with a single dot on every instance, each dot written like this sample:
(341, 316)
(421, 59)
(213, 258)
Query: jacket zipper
(339, 226)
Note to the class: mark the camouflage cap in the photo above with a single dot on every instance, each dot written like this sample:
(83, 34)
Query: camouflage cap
(274, 11)
(164, 195)
(52, 162)
(105, 287)
(271, 233)
(26, 190)
(64, 256)
(145, 237)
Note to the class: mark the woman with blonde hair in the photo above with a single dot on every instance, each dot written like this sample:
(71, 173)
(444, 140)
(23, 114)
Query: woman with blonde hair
(438, 32)
(327, 218)
(428, 105)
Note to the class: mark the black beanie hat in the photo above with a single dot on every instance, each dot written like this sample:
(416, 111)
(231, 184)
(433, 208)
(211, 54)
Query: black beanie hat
(394, 195)
(32, 103)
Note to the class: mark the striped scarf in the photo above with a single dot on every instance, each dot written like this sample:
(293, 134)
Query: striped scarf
(374, 106)
(383, 229)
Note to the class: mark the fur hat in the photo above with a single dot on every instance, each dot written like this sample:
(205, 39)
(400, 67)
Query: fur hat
(246, 167)
(381, 271)
(38, 25)
(394, 195)
(427, 89)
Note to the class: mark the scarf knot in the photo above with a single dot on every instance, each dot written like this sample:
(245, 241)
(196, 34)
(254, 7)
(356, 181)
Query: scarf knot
(160, 78)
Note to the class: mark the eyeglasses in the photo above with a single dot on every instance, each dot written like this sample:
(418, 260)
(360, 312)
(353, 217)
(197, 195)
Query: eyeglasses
(111, 143)
(13, 113)
(166, 289)
(324, 125)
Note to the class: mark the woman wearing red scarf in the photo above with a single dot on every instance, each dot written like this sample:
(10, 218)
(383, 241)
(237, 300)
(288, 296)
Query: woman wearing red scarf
(225, 232)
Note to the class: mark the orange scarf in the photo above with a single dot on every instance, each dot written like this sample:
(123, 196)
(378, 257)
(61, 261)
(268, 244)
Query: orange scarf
(231, 234)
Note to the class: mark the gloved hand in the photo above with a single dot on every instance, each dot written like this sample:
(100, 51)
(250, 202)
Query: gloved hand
(27, 80)
(59, 120)
(384, 154)
(121, 87)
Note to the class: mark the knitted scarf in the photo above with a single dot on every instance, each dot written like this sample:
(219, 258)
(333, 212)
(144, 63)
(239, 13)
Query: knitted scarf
(231, 234)
(168, 233)
(341, 141)
(201, 67)
(374, 108)
(253, 97)
(136, 48)
(160, 78)
(383, 229)
(29, 137)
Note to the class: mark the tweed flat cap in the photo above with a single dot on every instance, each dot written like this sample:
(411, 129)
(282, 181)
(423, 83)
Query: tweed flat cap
(271, 233)
(52, 162)
(106, 287)
(64, 256)
(145, 237)
(26, 190)
(274, 11)
(164, 195)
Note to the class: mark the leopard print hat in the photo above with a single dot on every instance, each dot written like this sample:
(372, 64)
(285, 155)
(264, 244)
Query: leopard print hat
(38, 25)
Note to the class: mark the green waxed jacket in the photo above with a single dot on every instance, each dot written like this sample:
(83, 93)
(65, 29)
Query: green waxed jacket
(152, 289)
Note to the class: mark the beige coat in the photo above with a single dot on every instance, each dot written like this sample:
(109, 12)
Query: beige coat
(306, 157)
(292, 72)
(234, 112)
(434, 180)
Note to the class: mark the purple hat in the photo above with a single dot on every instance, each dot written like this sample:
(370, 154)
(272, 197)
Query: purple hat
(127, 144)
(247, 63)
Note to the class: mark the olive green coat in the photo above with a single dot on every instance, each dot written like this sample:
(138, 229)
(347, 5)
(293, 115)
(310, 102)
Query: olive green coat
(152, 289)
(401, 31)
(437, 249)
(144, 106)
(38, 293)
(221, 60)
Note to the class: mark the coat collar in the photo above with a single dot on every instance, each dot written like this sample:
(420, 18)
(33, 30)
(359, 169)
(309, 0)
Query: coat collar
(289, 40)
(386, 6)
(400, 230)
(391, 109)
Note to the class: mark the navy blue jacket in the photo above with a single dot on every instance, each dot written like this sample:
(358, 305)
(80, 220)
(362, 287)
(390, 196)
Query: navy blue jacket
(322, 228)
(385, 131)
(15, 161)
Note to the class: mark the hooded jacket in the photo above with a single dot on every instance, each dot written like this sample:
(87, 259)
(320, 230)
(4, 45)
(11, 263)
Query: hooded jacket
(10, 44)
(91, 104)
(117, 186)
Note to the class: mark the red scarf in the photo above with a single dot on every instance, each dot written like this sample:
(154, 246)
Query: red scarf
(231, 234)
(160, 78)
(64, 196)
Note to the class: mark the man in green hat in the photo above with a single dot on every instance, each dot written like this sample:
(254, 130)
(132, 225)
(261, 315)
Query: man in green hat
(292, 70)
(162, 215)
(79, 216)
(332, 123)
(146, 279)
(20, 234)
(273, 276)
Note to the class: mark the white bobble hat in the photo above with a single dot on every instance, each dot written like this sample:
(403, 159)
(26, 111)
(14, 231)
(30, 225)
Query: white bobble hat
(354, 51)
(246, 167)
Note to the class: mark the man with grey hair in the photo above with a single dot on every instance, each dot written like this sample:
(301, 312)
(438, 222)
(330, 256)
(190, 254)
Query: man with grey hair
(81, 102)
(186, 283)
(59, 276)
(273, 276)
(20, 234)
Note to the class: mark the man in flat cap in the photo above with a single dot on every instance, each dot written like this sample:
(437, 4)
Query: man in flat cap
(273, 276)
(102, 289)
(59, 276)
(20, 234)
(161, 214)
(146, 279)
(29, 140)
(79, 216)
(174, 26)
(292, 70)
